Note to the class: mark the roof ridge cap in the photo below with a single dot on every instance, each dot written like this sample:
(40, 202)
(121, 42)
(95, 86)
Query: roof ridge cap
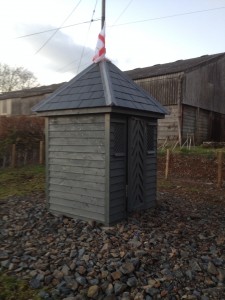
(107, 85)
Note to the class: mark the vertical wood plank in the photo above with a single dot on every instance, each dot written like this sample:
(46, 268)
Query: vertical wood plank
(13, 162)
(219, 171)
(41, 152)
(107, 167)
(47, 161)
(167, 163)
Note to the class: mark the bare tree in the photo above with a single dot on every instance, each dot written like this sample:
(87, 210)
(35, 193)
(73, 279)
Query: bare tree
(15, 78)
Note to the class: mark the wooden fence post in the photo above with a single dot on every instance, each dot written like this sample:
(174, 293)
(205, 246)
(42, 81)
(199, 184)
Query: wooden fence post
(13, 162)
(41, 153)
(220, 162)
(167, 163)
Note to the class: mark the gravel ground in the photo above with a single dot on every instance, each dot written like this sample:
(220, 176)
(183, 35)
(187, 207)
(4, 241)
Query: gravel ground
(175, 251)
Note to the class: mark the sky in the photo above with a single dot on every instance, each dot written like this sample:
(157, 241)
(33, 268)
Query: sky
(56, 39)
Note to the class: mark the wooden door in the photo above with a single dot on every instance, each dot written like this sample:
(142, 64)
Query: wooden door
(136, 163)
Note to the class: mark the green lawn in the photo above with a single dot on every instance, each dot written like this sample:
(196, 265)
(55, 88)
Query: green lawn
(15, 289)
(21, 181)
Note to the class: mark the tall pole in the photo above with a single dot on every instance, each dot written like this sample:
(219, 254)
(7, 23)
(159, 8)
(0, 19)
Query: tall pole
(103, 13)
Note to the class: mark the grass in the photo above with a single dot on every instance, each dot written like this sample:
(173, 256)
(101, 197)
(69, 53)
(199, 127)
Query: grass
(21, 181)
(12, 288)
(196, 150)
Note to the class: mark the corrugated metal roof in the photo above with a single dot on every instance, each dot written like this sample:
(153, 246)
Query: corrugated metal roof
(173, 67)
(100, 85)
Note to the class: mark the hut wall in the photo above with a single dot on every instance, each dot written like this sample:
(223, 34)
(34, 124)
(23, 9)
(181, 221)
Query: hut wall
(150, 171)
(76, 166)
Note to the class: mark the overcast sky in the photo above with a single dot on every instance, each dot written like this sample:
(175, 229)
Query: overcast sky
(139, 33)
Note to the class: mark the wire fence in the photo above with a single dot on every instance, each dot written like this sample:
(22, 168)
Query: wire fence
(17, 156)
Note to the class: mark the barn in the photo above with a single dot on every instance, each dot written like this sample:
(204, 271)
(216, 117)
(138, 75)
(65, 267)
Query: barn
(193, 91)
(101, 133)
(19, 103)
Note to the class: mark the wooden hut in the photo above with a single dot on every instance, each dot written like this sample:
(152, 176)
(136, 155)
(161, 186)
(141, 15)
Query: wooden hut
(101, 132)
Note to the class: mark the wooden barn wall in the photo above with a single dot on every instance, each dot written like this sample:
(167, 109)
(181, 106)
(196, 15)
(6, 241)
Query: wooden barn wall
(189, 122)
(166, 89)
(204, 87)
(196, 123)
(22, 106)
(203, 126)
(118, 169)
(5, 107)
(222, 133)
(76, 166)
(168, 127)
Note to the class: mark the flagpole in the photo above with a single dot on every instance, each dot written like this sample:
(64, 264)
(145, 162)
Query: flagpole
(103, 13)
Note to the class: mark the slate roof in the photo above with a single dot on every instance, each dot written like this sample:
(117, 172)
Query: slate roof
(172, 67)
(100, 85)
(36, 91)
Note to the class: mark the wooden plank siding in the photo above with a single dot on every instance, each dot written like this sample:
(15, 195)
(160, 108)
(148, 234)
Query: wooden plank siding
(189, 122)
(150, 173)
(168, 127)
(76, 163)
(164, 88)
(202, 130)
(118, 169)
(196, 122)
(204, 87)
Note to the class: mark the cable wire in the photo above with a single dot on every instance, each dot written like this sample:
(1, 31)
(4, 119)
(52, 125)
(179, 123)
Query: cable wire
(123, 12)
(170, 16)
(58, 28)
(82, 53)
(139, 21)
(54, 33)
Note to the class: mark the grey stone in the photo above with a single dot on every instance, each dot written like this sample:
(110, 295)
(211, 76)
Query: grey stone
(81, 252)
(109, 289)
(44, 295)
(81, 280)
(110, 297)
(152, 291)
(5, 263)
(221, 275)
(195, 266)
(212, 269)
(119, 288)
(40, 277)
(127, 268)
(48, 279)
(35, 283)
(132, 282)
(189, 274)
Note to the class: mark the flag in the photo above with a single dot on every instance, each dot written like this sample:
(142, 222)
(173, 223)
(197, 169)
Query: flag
(100, 47)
